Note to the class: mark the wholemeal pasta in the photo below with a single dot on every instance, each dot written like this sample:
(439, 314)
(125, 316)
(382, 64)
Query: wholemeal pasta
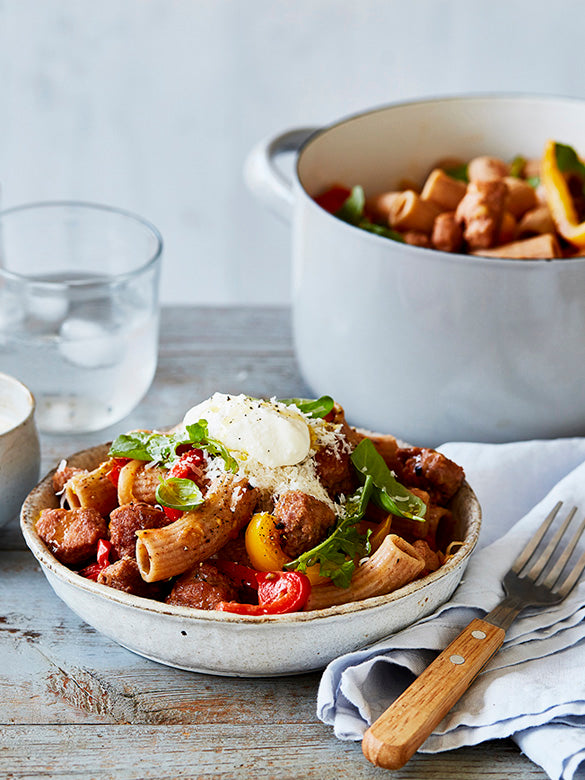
(394, 564)
(528, 209)
(256, 507)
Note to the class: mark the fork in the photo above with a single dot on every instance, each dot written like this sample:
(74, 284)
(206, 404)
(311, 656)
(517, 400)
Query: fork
(532, 581)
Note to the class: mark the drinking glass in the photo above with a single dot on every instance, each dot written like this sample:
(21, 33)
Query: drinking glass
(79, 310)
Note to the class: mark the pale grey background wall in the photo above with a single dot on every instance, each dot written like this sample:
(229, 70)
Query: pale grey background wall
(152, 105)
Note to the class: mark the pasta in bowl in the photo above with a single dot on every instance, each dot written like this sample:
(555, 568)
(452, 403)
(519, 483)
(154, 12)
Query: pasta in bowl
(256, 538)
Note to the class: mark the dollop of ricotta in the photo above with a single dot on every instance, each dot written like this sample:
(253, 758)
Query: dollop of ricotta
(267, 431)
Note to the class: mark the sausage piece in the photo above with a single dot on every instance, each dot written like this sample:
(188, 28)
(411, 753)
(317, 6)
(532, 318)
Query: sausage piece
(429, 470)
(127, 519)
(72, 535)
(481, 211)
(304, 521)
(203, 587)
(124, 575)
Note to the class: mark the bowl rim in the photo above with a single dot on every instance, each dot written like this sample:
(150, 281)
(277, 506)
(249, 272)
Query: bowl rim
(29, 511)
(490, 97)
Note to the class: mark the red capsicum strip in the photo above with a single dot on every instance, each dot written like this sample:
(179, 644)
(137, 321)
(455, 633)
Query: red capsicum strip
(279, 592)
(103, 559)
(118, 465)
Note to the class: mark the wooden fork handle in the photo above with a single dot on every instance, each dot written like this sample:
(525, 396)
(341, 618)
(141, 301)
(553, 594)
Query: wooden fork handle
(401, 730)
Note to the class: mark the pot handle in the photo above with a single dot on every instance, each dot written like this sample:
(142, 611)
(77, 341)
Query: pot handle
(264, 178)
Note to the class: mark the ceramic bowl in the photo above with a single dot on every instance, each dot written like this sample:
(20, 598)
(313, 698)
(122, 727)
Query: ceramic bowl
(19, 446)
(224, 644)
(432, 346)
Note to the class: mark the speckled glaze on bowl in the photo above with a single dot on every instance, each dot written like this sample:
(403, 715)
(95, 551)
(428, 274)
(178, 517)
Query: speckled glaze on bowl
(234, 645)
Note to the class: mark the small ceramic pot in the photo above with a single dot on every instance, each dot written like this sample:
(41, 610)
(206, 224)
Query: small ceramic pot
(19, 446)
(429, 345)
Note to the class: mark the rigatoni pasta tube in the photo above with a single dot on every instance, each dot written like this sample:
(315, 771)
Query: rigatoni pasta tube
(410, 212)
(394, 564)
(537, 220)
(542, 247)
(443, 190)
(165, 552)
(521, 196)
(138, 482)
(92, 490)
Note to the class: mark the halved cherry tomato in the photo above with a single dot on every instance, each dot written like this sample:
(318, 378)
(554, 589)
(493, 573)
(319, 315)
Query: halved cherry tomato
(279, 592)
(189, 466)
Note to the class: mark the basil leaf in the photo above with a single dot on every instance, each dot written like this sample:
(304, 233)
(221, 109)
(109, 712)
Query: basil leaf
(387, 492)
(162, 447)
(337, 552)
(131, 445)
(143, 445)
(517, 166)
(179, 493)
(458, 172)
(352, 209)
(380, 230)
(218, 450)
(534, 181)
(319, 407)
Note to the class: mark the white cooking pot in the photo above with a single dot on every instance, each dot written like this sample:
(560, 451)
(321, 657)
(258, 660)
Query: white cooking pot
(428, 345)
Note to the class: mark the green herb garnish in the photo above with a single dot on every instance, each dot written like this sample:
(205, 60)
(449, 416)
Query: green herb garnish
(352, 211)
(458, 172)
(337, 553)
(161, 448)
(517, 166)
(318, 408)
(380, 230)
(179, 493)
(387, 492)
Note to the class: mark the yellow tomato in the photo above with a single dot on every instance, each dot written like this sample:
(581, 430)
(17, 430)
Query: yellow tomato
(263, 543)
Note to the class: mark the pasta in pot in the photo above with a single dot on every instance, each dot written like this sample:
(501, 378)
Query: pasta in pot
(328, 514)
(486, 206)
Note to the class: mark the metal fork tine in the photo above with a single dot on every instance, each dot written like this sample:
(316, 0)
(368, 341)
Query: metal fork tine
(557, 569)
(528, 551)
(540, 564)
(572, 578)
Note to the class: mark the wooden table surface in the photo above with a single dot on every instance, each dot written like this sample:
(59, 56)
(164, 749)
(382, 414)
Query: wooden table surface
(75, 705)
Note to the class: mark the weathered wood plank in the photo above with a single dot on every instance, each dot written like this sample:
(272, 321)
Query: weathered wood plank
(52, 661)
(227, 750)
